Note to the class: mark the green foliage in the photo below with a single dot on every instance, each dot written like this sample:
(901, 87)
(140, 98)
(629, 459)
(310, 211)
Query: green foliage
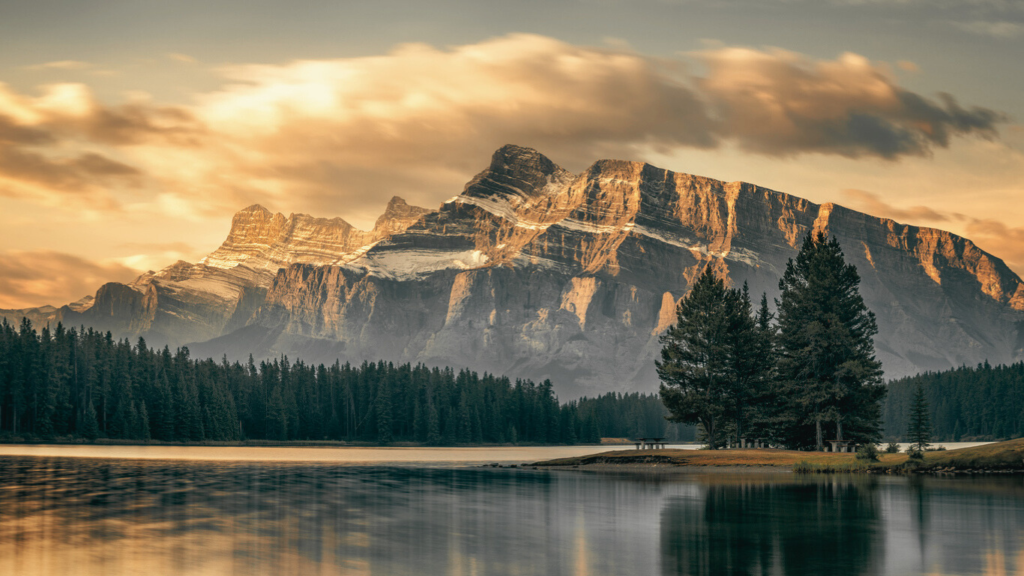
(915, 454)
(714, 360)
(892, 447)
(733, 373)
(868, 453)
(960, 403)
(828, 375)
(90, 428)
(86, 383)
(919, 430)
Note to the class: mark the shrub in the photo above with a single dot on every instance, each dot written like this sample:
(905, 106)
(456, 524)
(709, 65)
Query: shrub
(867, 453)
(915, 454)
(892, 448)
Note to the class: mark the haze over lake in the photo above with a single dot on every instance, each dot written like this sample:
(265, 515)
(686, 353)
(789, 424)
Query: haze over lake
(101, 515)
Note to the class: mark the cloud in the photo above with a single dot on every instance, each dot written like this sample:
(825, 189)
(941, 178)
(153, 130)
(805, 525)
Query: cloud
(997, 29)
(779, 103)
(36, 278)
(183, 58)
(998, 237)
(63, 145)
(72, 174)
(995, 237)
(60, 65)
(339, 135)
(153, 256)
(873, 204)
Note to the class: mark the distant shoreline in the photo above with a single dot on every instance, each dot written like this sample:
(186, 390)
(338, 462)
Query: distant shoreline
(289, 443)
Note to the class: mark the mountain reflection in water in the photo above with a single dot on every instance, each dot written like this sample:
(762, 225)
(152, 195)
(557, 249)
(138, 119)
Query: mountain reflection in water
(84, 516)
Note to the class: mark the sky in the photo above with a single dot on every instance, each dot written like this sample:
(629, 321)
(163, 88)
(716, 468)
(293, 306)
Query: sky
(131, 130)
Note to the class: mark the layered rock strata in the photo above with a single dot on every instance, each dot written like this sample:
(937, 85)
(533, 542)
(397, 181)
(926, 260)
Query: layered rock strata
(533, 271)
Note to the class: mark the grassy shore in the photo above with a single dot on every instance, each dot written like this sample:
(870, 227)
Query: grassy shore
(998, 457)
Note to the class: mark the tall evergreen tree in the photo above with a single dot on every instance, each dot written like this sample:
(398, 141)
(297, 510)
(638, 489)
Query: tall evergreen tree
(750, 351)
(764, 397)
(90, 428)
(919, 430)
(383, 408)
(697, 367)
(827, 368)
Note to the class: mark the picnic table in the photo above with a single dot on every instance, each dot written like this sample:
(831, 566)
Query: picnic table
(649, 443)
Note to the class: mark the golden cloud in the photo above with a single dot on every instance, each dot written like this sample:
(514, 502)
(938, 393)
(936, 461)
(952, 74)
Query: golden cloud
(873, 204)
(999, 238)
(28, 278)
(333, 135)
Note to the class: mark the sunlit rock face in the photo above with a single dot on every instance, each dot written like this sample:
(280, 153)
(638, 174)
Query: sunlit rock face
(535, 272)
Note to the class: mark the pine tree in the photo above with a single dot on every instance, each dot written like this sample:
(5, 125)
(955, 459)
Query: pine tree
(277, 415)
(752, 358)
(919, 431)
(827, 369)
(383, 408)
(433, 424)
(163, 428)
(696, 368)
(143, 433)
(90, 428)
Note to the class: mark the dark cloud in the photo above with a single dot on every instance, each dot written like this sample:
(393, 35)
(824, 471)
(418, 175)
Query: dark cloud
(38, 278)
(78, 174)
(141, 124)
(779, 103)
(12, 133)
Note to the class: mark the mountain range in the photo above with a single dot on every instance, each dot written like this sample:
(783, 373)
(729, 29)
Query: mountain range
(536, 272)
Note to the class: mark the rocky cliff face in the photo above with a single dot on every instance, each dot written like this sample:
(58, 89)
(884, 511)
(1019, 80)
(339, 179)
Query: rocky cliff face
(536, 272)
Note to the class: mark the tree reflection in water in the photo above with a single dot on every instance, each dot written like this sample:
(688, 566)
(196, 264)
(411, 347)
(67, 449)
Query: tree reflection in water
(824, 527)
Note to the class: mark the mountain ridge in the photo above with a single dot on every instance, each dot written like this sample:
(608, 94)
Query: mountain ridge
(534, 271)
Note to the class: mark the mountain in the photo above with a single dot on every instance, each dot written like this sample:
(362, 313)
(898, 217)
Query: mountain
(536, 272)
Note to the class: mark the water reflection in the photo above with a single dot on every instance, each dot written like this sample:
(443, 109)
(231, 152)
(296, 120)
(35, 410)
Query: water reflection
(801, 528)
(81, 516)
(847, 525)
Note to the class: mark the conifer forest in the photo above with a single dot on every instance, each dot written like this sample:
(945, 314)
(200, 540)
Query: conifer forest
(84, 383)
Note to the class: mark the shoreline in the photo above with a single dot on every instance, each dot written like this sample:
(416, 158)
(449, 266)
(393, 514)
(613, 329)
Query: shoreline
(279, 444)
(659, 468)
(996, 458)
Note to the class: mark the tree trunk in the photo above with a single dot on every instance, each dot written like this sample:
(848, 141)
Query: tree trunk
(709, 427)
(817, 431)
(739, 424)
(839, 428)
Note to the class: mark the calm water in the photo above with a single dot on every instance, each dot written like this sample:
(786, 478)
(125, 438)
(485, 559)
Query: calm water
(62, 515)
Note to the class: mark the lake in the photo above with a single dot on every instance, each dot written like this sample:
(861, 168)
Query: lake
(429, 512)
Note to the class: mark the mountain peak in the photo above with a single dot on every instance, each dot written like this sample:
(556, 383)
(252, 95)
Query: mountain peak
(254, 209)
(397, 216)
(511, 156)
(516, 171)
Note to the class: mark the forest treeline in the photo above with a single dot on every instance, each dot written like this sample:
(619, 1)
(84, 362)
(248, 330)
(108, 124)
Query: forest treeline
(980, 403)
(84, 383)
